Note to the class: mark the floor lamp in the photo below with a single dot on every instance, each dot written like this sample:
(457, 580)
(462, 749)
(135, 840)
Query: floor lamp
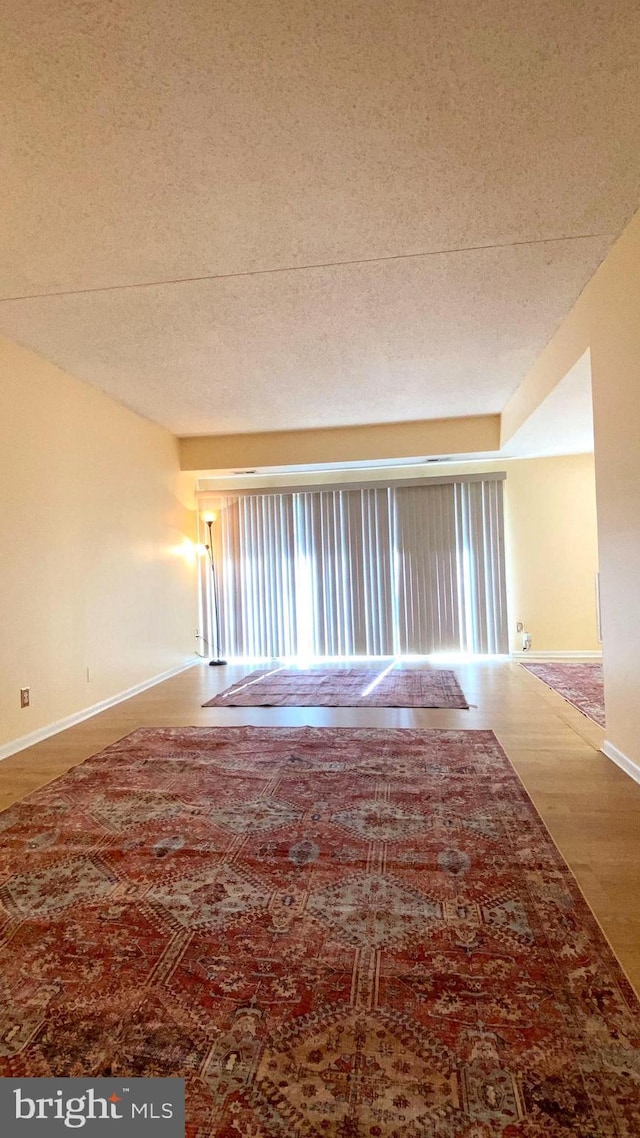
(209, 519)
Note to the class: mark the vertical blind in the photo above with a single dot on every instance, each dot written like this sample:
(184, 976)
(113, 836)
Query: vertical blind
(373, 571)
(343, 562)
(258, 583)
(428, 578)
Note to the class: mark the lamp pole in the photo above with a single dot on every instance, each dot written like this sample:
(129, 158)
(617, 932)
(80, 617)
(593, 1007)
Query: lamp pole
(216, 606)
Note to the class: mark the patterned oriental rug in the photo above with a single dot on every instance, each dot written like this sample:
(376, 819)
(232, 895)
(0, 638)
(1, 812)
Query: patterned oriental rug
(327, 932)
(362, 686)
(580, 684)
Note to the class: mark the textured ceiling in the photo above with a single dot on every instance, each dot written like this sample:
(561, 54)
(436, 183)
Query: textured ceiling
(263, 144)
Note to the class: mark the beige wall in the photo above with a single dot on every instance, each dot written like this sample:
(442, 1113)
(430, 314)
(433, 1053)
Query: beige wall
(461, 436)
(614, 302)
(606, 319)
(552, 552)
(93, 512)
(550, 538)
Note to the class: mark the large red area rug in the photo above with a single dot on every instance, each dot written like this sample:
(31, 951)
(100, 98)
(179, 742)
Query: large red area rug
(327, 932)
(580, 684)
(380, 685)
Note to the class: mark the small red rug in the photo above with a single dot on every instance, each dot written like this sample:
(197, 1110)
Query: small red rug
(580, 684)
(327, 932)
(380, 685)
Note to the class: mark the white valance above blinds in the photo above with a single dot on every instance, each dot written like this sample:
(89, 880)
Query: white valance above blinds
(210, 497)
(415, 567)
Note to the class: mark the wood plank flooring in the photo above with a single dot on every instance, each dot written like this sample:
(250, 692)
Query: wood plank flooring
(591, 808)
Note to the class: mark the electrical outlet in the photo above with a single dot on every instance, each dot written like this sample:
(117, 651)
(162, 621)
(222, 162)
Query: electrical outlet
(25, 697)
(519, 626)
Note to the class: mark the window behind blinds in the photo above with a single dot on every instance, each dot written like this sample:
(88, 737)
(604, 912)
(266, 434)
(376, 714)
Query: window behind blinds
(481, 570)
(344, 565)
(429, 599)
(365, 571)
(258, 583)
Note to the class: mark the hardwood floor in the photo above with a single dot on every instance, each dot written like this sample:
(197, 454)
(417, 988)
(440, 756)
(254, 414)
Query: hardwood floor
(591, 808)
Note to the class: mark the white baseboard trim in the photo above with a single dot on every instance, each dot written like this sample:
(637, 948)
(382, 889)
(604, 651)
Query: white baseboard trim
(621, 760)
(42, 733)
(556, 655)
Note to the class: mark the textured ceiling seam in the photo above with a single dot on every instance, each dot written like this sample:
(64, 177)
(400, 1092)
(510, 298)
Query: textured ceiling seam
(305, 268)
